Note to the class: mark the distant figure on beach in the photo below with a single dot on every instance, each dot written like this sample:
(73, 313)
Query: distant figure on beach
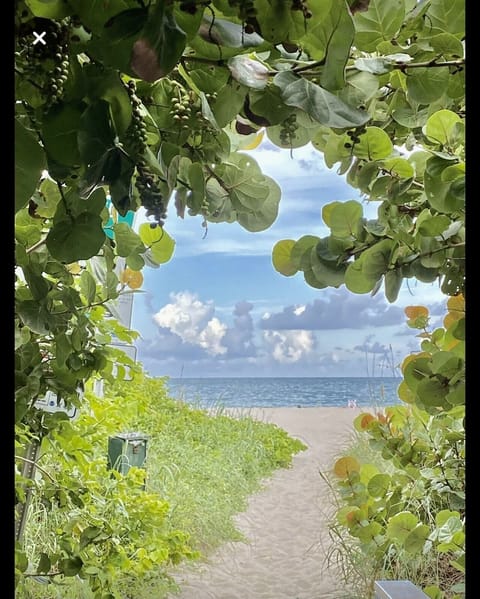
(352, 403)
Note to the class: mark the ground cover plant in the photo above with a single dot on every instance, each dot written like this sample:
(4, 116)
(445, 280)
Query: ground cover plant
(133, 104)
(200, 469)
(401, 486)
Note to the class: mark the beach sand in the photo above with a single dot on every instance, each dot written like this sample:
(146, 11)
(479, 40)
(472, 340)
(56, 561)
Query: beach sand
(285, 523)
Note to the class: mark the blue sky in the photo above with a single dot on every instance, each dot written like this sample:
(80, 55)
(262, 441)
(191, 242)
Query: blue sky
(219, 308)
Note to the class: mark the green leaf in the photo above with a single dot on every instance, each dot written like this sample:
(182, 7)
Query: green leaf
(356, 280)
(434, 225)
(135, 262)
(302, 248)
(34, 315)
(343, 218)
(128, 242)
(49, 9)
(432, 392)
(88, 286)
(228, 103)
(446, 197)
(161, 244)
(447, 15)
(374, 144)
(197, 184)
(226, 34)
(44, 564)
(159, 48)
(281, 257)
(95, 14)
(22, 336)
(47, 199)
(269, 105)
(416, 371)
(399, 166)
(393, 283)
(376, 259)
(266, 213)
(443, 516)
(377, 66)
(320, 104)
(400, 526)
(79, 238)
(440, 126)
(379, 23)
(29, 164)
(95, 134)
(21, 560)
(299, 138)
(415, 540)
(336, 36)
(378, 485)
(425, 85)
(447, 45)
(327, 273)
(70, 566)
(59, 133)
(277, 22)
(63, 349)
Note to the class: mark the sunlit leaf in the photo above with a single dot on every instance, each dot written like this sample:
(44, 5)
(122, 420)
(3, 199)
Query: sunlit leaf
(378, 485)
(400, 526)
(343, 467)
(413, 312)
(132, 278)
(374, 144)
(281, 257)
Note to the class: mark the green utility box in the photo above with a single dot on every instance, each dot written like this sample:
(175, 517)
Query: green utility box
(126, 450)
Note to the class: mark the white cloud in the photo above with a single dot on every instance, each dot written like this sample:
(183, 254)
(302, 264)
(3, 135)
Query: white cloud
(193, 321)
(288, 347)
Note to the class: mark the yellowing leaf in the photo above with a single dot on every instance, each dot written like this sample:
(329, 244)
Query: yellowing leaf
(405, 393)
(413, 312)
(74, 268)
(411, 357)
(132, 278)
(456, 310)
(251, 145)
(345, 466)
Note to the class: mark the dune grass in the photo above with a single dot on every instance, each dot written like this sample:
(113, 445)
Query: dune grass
(204, 464)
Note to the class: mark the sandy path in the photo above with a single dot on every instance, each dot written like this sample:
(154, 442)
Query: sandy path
(285, 523)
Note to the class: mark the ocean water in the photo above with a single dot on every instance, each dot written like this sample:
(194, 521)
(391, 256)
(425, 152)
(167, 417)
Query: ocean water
(286, 392)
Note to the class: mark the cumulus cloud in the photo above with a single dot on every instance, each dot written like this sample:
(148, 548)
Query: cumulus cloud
(239, 339)
(288, 347)
(339, 310)
(193, 322)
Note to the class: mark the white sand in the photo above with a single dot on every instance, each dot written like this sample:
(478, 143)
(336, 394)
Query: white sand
(285, 524)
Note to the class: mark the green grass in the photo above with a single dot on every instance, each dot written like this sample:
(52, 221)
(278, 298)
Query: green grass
(205, 465)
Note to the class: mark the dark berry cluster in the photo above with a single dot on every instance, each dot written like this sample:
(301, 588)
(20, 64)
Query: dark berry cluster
(44, 64)
(150, 195)
(301, 5)
(287, 132)
(146, 182)
(354, 135)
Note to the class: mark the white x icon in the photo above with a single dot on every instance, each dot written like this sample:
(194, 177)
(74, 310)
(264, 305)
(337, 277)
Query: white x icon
(39, 38)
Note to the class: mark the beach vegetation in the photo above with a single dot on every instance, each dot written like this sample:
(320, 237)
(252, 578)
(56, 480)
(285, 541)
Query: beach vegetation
(400, 488)
(136, 105)
(93, 531)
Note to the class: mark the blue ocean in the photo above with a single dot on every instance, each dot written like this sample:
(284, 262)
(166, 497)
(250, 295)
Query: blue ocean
(286, 392)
